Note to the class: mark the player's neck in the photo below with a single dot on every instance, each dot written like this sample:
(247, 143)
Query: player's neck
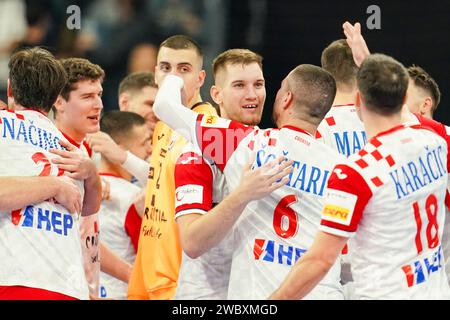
(407, 115)
(108, 167)
(197, 98)
(298, 123)
(344, 97)
(375, 123)
(74, 134)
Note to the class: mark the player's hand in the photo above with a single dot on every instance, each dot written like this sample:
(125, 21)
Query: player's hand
(106, 190)
(258, 183)
(356, 42)
(74, 162)
(102, 143)
(68, 195)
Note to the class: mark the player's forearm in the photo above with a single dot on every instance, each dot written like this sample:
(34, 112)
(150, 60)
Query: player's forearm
(113, 265)
(92, 195)
(208, 230)
(169, 108)
(18, 192)
(137, 167)
(302, 278)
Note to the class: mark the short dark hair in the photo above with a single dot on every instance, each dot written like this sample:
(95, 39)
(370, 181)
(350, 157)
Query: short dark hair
(337, 59)
(119, 124)
(36, 78)
(79, 69)
(235, 56)
(314, 91)
(179, 42)
(382, 82)
(136, 81)
(423, 80)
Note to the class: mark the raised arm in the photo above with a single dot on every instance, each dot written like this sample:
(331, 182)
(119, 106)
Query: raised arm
(356, 42)
(169, 108)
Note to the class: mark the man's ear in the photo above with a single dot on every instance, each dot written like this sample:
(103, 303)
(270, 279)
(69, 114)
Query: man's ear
(201, 78)
(124, 101)
(216, 94)
(287, 99)
(59, 104)
(426, 107)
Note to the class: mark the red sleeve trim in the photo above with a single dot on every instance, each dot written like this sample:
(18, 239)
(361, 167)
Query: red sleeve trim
(348, 181)
(192, 173)
(133, 226)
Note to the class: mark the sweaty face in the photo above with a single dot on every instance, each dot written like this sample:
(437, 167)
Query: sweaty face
(242, 92)
(141, 102)
(139, 142)
(184, 63)
(81, 112)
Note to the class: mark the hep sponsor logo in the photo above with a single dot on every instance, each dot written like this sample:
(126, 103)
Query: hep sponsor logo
(420, 270)
(281, 253)
(42, 219)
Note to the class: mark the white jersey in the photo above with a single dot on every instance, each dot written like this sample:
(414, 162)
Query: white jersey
(89, 235)
(390, 199)
(120, 225)
(274, 232)
(40, 243)
(342, 130)
(199, 186)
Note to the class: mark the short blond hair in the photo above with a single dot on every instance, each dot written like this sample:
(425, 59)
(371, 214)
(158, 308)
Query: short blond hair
(235, 56)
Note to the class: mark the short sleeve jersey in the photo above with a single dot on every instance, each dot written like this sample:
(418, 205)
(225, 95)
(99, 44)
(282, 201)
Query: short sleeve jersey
(389, 198)
(41, 242)
(342, 130)
(274, 232)
(120, 227)
(200, 185)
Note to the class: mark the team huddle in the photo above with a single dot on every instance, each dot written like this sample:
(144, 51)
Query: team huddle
(171, 198)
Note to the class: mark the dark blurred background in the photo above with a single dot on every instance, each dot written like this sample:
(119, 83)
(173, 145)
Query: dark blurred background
(122, 35)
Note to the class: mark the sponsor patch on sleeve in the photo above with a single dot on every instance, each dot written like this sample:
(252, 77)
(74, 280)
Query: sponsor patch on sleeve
(187, 194)
(339, 207)
(216, 122)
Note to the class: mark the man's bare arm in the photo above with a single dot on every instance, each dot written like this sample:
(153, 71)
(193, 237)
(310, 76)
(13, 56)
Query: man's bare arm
(311, 268)
(199, 233)
(19, 192)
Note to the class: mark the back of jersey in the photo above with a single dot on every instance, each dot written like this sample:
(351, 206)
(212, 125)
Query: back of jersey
(391, 199)
(342, 130)
(274, 232)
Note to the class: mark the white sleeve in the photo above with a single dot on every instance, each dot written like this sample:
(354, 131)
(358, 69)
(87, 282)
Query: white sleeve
(169, 109)
(137, 167)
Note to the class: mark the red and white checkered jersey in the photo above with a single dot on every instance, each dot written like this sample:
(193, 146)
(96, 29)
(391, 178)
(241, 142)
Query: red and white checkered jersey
(342, 130)
(89, 235)
(390, 199)
(40, 243)
(120, 226)
(199, 186)
(274, 232)
(441, 130)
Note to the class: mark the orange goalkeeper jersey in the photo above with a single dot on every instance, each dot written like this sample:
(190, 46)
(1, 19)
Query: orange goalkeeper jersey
(158, 260)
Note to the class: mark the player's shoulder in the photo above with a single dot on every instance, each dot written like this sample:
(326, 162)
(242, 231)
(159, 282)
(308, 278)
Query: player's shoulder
(205, 108)
(436, 126)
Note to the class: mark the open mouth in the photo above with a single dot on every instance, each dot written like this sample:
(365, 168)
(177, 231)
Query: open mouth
(95, 118)
(250, 106)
